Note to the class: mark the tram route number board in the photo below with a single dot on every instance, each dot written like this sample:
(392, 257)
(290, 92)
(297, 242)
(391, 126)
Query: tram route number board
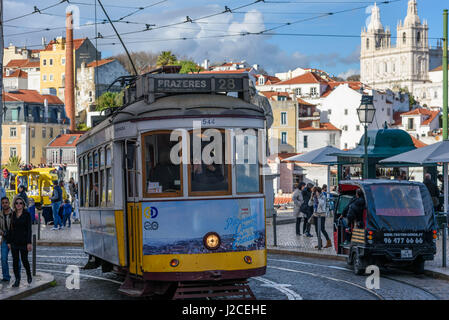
(198, 84)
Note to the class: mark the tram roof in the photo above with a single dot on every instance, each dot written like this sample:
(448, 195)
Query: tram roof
(182, 106)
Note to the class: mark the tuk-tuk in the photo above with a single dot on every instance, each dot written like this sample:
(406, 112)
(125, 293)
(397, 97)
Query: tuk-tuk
(39, 184)
(398, 225)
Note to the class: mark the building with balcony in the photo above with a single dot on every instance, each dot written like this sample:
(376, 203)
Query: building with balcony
(62, 151)
(30, 122)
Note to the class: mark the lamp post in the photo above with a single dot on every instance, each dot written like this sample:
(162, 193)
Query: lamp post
(366, 113)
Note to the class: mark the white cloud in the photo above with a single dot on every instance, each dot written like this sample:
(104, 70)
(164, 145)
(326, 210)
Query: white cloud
(348, 73)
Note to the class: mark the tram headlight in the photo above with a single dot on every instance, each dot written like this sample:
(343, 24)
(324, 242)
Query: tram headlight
(212, 241)
(174, 263)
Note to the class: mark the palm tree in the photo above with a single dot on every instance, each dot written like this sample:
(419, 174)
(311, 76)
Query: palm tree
(166, 58)
(14, 163)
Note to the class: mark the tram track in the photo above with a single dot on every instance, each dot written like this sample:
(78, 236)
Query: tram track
(383, 276)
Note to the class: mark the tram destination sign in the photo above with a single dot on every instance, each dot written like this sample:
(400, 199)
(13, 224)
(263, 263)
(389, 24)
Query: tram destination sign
(196, 83)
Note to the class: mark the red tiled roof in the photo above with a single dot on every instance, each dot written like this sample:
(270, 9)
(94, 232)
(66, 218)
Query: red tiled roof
(305, 103)
(99, 62)
(268, 79)
(16, 74)
(62, 140)
(418, 143)
(272, 94)
(309, 77)
(429, 114)
(354, 85)
(22, 63)
(31, 96)
(227, 71)
(76, 44)
(306, 125)
(440, 68)
(286, 155)
(16, 63)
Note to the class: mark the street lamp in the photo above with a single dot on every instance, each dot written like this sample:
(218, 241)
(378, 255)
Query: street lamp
(366, 113)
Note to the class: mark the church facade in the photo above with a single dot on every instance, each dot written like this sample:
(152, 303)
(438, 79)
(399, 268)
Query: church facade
(404, 64)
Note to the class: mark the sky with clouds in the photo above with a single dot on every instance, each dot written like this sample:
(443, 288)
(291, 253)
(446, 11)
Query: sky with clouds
(296, 33)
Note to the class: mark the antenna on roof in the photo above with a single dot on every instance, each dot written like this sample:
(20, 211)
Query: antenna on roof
(118, 35)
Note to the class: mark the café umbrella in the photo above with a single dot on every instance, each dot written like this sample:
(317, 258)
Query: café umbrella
(431, 154)
(318, 156)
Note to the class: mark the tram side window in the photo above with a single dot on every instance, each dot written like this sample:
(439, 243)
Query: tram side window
(212, 174)
(246, 162)
(161, 175)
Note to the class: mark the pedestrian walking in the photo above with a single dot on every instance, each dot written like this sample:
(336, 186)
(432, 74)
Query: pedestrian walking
(433, 190)
(56, 201)
(307, 209)
(23, 194)
(297, 202)
(5, 225)
(19, 239)
(318, 201)
(67, 212)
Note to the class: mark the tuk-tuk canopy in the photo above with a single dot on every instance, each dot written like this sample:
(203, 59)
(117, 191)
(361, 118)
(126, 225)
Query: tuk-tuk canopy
(394, 205)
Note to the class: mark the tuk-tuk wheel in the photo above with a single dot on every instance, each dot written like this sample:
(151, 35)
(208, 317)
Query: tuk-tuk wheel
(359, 264)
(418, 266)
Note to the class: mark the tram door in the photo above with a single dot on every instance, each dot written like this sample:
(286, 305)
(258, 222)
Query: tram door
(133, 208)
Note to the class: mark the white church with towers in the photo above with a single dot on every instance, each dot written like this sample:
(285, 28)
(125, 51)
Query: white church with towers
(406, 63)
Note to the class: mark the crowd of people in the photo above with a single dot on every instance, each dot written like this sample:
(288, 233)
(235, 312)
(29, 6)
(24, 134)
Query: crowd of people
(310, 206)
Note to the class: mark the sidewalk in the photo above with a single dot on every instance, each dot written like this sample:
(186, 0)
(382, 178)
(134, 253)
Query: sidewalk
(66, 237)
(290, 243)
(40, 282)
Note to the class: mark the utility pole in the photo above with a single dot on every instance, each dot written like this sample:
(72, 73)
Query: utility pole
(445, 101)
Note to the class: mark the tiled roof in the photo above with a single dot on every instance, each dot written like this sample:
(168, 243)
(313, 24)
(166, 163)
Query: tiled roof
(268, 79)
(227, 71)
(100, 62)
(305, 103)
(16, 63)
(354, 85)
(16, 74)
(440, 68)
(30, 96)
(286, 155)
(418, 143)
(309, 77)
(272, 94)
(65, 140)
(429, 114)
(76, 44)
(306, 125)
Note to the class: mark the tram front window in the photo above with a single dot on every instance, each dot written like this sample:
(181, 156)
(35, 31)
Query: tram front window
(161, 175)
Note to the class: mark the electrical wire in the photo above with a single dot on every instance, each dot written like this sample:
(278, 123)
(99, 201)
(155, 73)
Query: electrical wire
(36, 10)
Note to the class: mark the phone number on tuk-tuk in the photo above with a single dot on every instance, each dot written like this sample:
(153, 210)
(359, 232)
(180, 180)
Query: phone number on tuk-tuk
(402, 240)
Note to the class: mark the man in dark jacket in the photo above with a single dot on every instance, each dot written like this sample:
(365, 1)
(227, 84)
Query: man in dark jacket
(433, 190)
(306, 209)
(354, 210)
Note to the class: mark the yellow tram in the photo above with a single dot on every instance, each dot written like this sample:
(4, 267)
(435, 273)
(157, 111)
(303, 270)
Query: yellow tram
(171, 185)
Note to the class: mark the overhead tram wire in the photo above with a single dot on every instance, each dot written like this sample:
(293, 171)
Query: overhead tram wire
(188, 19)
(36, 10)
(118, 35)
(249, 33)
(141, 9)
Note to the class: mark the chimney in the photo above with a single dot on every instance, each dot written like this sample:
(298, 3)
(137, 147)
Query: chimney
(69, 94)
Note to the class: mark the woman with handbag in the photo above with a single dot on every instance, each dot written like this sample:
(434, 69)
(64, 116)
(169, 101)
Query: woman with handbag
(19, 239)
(318, 201)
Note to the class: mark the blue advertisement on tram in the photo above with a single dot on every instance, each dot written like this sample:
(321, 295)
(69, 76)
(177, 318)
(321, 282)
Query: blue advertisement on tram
(179, 227)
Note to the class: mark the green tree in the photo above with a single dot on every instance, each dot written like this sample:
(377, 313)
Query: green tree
(109, 100)
(14, 163)
(166, 58)
(82, 127)
(188, 66)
